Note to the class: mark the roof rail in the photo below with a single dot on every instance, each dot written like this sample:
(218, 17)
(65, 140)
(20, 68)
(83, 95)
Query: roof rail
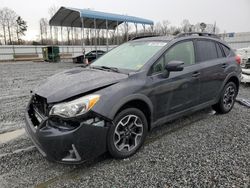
(145, 36)
(197, 33)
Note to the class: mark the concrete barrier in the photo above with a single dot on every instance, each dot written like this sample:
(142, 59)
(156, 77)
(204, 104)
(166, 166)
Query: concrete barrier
(30, 52)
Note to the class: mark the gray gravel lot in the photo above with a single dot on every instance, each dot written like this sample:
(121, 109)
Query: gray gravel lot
(16, 81)
(200, 150)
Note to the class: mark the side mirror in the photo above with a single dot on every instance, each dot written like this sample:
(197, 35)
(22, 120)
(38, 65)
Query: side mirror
(174, 66)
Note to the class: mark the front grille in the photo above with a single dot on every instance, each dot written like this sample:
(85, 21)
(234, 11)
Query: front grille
(38, 110)
(40, 104)
(245, 63)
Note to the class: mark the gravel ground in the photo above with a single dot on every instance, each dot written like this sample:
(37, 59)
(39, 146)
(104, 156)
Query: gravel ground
(200, 150)
(16, 81)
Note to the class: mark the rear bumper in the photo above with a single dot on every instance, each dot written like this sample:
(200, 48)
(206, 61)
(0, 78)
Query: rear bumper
(78, 59)
(67, 146)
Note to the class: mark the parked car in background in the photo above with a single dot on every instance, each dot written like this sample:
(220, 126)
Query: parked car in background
(90, 56)
(245, 76)
(113, 103)
(245, 64)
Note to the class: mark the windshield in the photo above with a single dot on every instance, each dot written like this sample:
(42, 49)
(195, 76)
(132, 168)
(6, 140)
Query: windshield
(131, 56)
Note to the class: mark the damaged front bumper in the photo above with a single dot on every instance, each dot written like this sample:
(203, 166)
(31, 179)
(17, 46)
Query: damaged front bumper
(67, 140)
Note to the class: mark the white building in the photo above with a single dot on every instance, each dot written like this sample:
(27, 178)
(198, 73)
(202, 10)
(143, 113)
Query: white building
(237, 40)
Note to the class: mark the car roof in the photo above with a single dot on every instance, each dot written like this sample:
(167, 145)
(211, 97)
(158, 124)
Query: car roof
(97, 51)
(155, 38)
(182, 36)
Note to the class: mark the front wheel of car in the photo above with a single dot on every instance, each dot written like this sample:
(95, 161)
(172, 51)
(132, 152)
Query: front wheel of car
(227, 99)
(128, 133)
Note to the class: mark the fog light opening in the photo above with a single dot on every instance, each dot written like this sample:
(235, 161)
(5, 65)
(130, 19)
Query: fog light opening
(95, 122)
(73, 155)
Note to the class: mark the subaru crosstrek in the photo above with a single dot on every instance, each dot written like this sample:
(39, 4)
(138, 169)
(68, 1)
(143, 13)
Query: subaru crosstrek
(111, 105)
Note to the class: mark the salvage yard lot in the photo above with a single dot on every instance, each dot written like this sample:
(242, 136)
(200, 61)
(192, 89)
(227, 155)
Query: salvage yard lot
(200, 150)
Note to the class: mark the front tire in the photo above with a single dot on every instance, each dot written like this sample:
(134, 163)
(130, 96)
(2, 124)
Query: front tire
(227, 98)
(128, 133)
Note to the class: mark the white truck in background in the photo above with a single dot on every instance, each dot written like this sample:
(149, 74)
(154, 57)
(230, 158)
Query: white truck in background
(244, 53)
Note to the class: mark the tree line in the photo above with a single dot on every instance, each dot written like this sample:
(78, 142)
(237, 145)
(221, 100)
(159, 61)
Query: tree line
(12, 27)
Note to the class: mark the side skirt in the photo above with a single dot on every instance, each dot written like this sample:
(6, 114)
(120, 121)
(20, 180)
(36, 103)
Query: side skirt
(182, 113)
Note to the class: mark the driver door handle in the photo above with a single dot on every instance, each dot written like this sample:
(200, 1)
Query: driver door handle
(196, 74)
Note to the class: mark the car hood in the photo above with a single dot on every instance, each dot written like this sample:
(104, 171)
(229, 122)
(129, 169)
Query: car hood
(76, 81)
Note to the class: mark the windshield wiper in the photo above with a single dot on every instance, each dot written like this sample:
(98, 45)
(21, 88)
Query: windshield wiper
(114, 69)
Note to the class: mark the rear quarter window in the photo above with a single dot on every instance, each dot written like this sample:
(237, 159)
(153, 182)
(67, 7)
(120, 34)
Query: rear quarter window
(219, 51)
(206, 50)
(226, 50)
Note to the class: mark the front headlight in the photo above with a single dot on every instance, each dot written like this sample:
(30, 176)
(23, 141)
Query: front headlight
(76, 107)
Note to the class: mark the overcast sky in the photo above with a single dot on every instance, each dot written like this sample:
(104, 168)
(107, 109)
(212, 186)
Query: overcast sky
(230, 15)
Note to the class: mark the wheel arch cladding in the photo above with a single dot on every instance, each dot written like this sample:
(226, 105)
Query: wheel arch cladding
(232, 77)
(139, 104)
(235, 80)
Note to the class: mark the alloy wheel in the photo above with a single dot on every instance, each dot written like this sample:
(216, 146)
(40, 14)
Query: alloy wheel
(128, 133)
(229, 96)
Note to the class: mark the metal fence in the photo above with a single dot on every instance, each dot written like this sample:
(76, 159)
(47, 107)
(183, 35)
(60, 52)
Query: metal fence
(8, 52)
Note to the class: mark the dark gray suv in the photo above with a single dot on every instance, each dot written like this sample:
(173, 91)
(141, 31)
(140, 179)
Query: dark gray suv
(112, 104)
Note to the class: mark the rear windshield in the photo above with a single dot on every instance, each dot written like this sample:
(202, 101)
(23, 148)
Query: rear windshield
(130, 56)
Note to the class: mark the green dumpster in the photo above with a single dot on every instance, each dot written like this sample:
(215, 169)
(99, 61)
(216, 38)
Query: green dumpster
(51, 53)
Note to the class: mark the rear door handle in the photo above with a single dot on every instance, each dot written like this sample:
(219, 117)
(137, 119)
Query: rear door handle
(224, 65)
(196, 74)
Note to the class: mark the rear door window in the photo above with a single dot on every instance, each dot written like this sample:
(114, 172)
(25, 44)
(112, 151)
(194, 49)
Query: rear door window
(206, 50)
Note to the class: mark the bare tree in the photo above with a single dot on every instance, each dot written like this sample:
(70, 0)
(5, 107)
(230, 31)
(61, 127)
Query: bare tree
(186, 26)
(103, 37)
(68, 29)
(8, 21)
(113, 37)
(21, 28)
(3, 24)
(157, 28)
(174, 30)
(197, 27)
(10, 17)
(52, 10)
(124, 29)
(76, 36)
(164, 27)
(44, 27)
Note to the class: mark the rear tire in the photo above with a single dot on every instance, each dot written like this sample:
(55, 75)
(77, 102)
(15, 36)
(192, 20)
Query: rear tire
(128, 133)
(227, 99)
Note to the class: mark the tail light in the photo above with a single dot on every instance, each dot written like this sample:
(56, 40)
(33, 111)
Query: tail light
(238, 59)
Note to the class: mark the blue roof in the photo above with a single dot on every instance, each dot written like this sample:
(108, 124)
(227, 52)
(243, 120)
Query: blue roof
(71, 17)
